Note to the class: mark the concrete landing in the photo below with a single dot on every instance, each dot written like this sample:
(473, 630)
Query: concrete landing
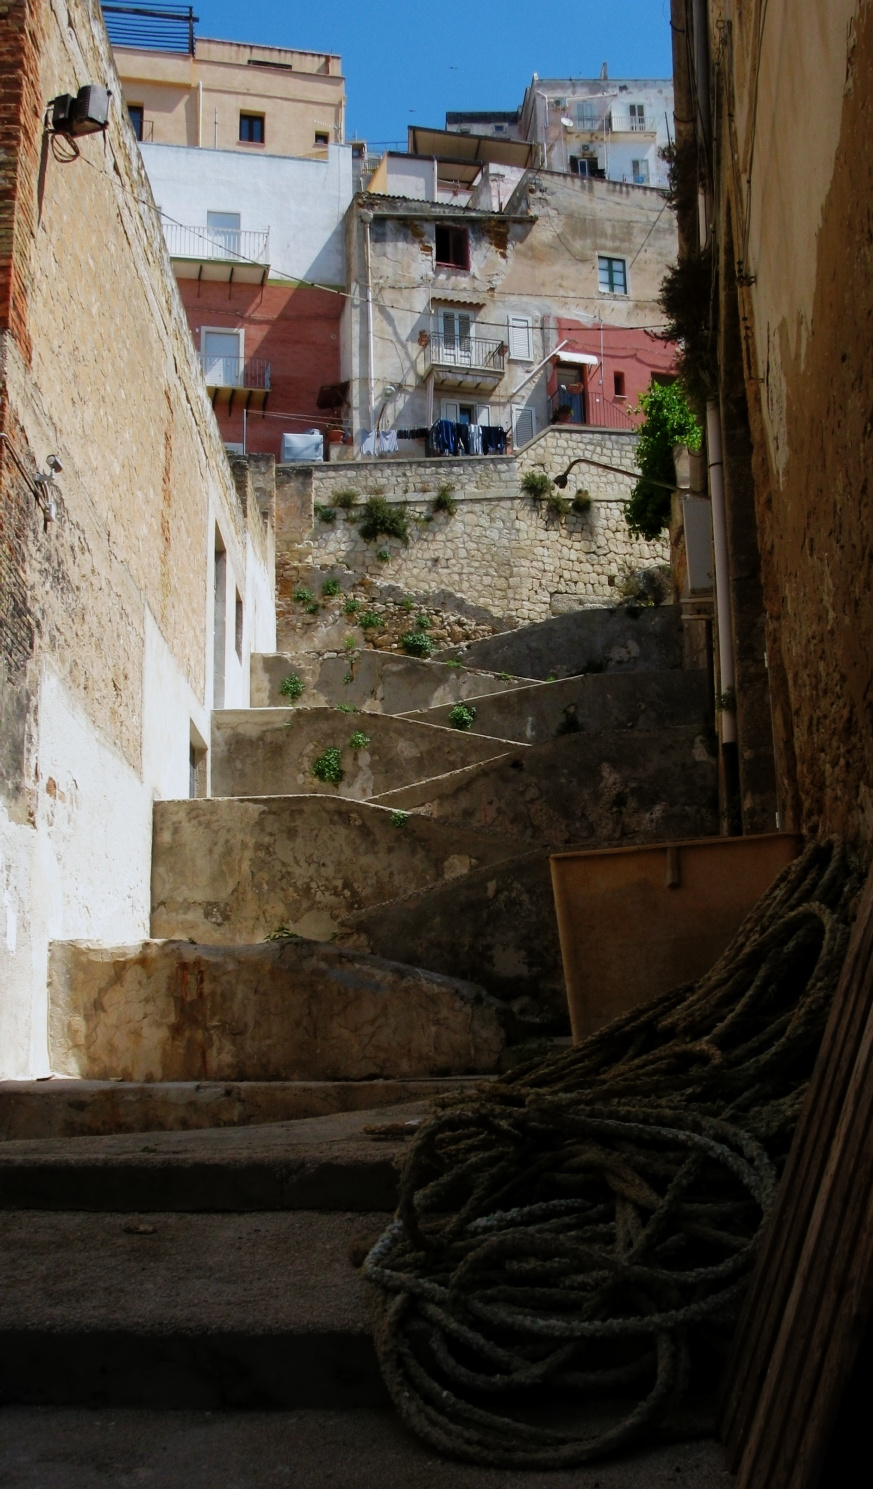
(271, 751)
(375, 681)
(325, 1163)
(176, 1310)
(79, 1108)
(284, 1010)
(52, 1449)
(624, 639)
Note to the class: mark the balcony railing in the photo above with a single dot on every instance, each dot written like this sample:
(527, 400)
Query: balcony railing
(591, 410)
(228, 245)
(614, 121)
(467, 353)
(236, 372)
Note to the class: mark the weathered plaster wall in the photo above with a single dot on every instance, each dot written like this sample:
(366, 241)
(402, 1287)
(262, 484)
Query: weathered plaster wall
(107, 617)
(804, 232)
(500, 551)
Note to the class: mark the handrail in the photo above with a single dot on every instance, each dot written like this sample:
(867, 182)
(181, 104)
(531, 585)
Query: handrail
(466, 351)
(235, 372)
(230, 245)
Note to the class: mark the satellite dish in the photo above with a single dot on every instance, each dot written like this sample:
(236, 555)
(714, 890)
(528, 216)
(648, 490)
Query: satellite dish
(567, 123)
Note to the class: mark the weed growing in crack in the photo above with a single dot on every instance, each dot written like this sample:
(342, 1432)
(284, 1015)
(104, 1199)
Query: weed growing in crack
(328, 767)
(292, 686)
(462, 716)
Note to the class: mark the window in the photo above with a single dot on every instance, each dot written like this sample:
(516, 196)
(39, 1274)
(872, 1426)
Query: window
(523, 426)
(453, 247)
(135, 115)
(520, 339)
(637, 113)
(322, 137)
(585, 165)
(251, 129)
(500, 129)
(466, 413)
(456, 326)
(611, 275)
(223, 231)
(589, 115)
(640, 172)
(238, 625)
(618, 384)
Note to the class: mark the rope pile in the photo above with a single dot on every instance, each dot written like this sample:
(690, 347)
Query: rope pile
(575, 1239)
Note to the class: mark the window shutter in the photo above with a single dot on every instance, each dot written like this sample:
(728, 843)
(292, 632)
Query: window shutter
(520, 338)
(523, 426)
(483, 413)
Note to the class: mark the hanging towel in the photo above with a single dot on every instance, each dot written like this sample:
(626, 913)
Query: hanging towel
(368, 442)
(493, 439)
(387, 441)
(475, 438)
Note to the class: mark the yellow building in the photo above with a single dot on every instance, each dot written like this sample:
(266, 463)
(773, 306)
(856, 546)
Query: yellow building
(227, 95)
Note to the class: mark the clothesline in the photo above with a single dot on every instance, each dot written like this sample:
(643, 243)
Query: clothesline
(444, 437)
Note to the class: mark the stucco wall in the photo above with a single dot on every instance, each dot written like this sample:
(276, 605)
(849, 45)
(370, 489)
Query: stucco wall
(107, 616)
(500, 551)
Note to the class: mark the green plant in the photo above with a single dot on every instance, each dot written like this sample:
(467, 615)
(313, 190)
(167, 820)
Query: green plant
(384, 554)
(381, 519)
(350, 644)
(453, 662)
(345, 708)
(505, 676)
(328, 767)
(726, 702)
(347, 679)
(370, 621)
(582, 502)
(416, 644)
(312, 608)
(330, 587)
(668, 420)
(551, 677)
(351, 606)
(558, 505)
(283, 933)
(324, 514)
(407, 603)
(422, 622)
(444, 500)
(462, 716)
(536, 484)
(302, 595)
(399, 819)
(359, 740)
(345, 500)
(292, 686)
(686, 298)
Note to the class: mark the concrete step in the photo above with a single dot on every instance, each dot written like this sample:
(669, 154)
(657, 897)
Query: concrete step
(185, 1310)
(587, 790)
(232, 871)
(61, 1107)
(271, 751)
(607, 700)
(624, 639)
(365, 1449)
(284, 1010)
(324, 1163)
(374, 681)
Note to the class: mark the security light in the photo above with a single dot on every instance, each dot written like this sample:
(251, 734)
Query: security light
(87, 113)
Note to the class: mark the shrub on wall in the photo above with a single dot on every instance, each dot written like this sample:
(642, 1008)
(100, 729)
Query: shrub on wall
(381, 519)
(444, 500)
(669, 420)
(416, 644)
(292, 686)
(328, 767)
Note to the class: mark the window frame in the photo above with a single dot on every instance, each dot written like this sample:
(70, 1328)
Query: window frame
(609, 259)
(321, 139)
(455, 233)
(251, 118)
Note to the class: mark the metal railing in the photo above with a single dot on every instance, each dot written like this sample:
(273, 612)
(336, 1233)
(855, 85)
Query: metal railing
(591, 410)
(229, 244)
(614, 121)
(466, 352)
(235, 372)
(160, 28)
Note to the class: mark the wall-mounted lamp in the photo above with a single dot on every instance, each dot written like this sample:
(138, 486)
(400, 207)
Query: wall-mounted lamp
(87, 113)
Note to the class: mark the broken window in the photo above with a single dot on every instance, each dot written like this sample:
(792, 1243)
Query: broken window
(452, 247)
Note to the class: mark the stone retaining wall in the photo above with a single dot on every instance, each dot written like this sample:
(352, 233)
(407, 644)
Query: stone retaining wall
(500, 550)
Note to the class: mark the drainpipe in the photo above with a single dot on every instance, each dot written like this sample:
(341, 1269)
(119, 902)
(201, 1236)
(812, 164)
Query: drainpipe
(727, 676)
(366, 219)
(199, 113)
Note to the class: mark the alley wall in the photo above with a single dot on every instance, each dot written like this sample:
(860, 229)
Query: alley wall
(126, 616)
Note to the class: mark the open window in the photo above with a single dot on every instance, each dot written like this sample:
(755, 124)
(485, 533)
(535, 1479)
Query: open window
(452, 247)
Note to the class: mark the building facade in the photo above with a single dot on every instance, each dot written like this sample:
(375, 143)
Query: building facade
(612, 129)
(137, 580)
(244, 150)
(490, 293)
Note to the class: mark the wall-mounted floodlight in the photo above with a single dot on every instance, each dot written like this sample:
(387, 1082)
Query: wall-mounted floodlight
(87, 113)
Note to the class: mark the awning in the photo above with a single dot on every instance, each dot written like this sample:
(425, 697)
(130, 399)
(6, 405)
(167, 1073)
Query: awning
(584, 359)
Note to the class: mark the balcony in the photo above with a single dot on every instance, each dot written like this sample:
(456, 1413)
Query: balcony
(615, 121)
(465, 361)
(590, 410)
(234, 379)
(228, 255)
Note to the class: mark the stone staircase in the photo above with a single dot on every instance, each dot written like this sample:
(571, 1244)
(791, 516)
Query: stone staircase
(183, 1212)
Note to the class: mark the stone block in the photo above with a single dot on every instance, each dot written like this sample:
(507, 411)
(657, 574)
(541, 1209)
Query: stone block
(290, 1010)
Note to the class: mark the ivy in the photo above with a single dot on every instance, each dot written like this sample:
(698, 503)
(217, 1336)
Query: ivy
(669, 420)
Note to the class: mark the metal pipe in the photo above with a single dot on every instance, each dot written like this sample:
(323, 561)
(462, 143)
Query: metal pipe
(366, 219)
(727, 679)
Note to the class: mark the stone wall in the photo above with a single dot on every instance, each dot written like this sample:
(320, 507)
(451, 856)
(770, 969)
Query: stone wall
(109, 638)
(500, 552)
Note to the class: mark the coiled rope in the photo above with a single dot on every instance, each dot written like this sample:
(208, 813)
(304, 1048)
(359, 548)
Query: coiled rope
(575, 1238)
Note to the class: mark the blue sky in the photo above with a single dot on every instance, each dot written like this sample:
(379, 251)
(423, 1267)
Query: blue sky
(408, 64)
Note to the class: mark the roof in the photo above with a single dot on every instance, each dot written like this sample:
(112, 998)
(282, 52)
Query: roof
(493, 116)
(483, 148)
